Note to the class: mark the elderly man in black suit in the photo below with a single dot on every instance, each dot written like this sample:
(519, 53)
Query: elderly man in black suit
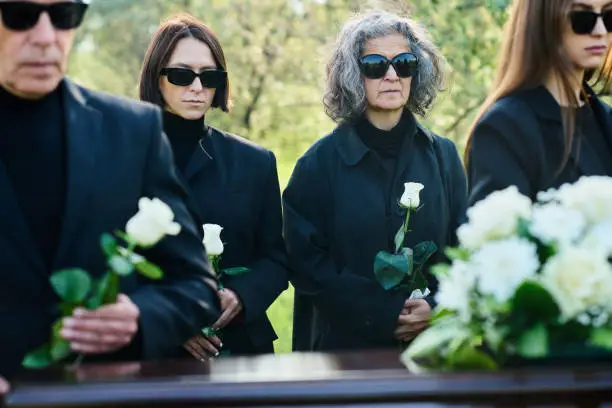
(73, 165)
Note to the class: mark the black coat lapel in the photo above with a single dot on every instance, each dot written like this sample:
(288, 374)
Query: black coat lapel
(603, 115)
(201, 157)
(583, 153)
(83, 141)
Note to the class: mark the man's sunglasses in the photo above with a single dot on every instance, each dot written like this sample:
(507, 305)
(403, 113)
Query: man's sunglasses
(212, 78)
(24, 15)
(584, 21)
(374, 66)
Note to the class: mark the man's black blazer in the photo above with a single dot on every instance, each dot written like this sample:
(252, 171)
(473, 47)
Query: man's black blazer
(115, 154)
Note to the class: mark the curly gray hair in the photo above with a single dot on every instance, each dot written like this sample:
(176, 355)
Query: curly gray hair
(345, 95)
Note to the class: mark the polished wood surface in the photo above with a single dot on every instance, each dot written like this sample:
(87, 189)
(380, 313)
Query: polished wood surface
(367, 379)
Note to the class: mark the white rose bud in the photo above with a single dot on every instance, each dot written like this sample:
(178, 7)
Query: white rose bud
(212, 239)
(410, 198)
(152, 222)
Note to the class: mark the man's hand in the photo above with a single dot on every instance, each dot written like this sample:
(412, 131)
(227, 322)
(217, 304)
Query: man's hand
(203, 347)
(413, 319)
(104, 330)
(4, 386)
(230, 308)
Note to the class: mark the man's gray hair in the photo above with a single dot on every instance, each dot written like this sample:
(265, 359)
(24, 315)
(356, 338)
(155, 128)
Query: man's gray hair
(345, 95)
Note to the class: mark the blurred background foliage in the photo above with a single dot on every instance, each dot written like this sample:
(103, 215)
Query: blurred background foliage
(276, 52)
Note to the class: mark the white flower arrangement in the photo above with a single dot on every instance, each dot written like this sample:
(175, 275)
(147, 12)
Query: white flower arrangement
(528, 281)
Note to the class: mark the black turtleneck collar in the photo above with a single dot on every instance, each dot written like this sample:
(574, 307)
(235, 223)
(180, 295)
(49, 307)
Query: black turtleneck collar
(386, 142)
(13, 103)
(184, 135)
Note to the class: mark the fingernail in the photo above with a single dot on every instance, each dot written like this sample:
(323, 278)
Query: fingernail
(217, 354)
(66, 332)
(68, 321)
(220, 344)
(202, 359)
(79, 312)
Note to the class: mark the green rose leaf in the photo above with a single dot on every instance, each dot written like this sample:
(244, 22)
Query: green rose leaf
(418, 280)
(109, 244)
(522, 229)
(457, 254)
(120, 265)
(39, 358)
(208, 331)
(601, 337)
(125, 237)
(60, 349)
(534, 342)
(440, 313)
(150, 270)
(423, 251)
(468, 357)
(71, 285)
(98, 291)
(534, 303)
(440, 270)
(399, 237)
(235, 271)
(391, 269)
(433, 340)
(111, 289)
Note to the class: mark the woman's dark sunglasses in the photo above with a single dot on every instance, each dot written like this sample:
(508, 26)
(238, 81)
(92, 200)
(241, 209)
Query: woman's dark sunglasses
(24, 15)
(584, 21)
(212, 78)
(374, 66)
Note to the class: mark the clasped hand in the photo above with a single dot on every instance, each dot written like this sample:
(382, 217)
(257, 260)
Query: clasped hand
(4, 386)
(413, 319)
(201, 346)
(104, 330)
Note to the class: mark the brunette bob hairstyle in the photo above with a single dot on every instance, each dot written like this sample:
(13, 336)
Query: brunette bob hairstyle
(162, 45)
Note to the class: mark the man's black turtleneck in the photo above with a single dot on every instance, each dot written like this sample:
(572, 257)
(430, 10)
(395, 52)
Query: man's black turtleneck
(184, 136)
(33, 152)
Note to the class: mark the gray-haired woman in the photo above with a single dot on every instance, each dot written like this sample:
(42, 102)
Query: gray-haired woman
(341, 204)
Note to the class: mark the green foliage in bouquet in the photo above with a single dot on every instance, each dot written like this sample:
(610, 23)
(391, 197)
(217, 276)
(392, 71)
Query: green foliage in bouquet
(529, 283)
(403, 269)
(77, 289)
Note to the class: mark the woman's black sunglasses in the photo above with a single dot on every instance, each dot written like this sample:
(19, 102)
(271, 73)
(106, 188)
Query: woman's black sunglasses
(24, 15)
(374, 66)
(584, 21)
(212, 78)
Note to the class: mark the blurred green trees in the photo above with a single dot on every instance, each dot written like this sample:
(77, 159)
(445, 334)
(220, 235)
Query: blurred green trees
(276, 52)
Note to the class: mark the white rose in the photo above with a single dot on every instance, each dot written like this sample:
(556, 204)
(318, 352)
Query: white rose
(591, 195)
(494, 217)
(152, 222)
(578, 279)
(555, 224)
(599, 237)
(410, 198)
(212, 239)
(502, 266)
(456, 288)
